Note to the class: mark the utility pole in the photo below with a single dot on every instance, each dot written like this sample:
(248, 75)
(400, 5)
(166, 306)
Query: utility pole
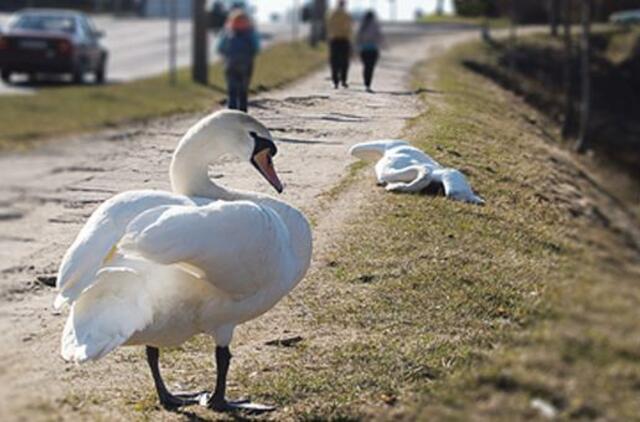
(200, 62)
(173, 20)
(393, 10)
(295, 20)
(318, 29)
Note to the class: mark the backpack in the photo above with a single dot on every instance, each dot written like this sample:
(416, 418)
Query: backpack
(239, 48)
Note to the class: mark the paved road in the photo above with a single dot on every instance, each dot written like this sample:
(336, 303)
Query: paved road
(139, 47)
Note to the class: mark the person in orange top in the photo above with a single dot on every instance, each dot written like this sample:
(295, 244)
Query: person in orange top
(238, 45)
(339, 33)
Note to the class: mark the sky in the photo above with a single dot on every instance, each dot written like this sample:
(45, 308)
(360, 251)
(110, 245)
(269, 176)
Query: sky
(406, 8)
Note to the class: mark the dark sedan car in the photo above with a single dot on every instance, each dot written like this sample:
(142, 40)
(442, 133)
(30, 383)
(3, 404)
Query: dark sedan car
(39, 41)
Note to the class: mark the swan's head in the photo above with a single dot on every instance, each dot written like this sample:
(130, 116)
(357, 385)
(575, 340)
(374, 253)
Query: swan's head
(243, 136)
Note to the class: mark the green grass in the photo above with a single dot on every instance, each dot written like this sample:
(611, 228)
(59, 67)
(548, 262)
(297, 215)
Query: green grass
(57, 111)
(615, 115)
(623, 45)
(496, 23)
(430, 308)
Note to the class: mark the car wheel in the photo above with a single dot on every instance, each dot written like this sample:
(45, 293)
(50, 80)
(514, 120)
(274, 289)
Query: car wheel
(101, 73)
(6, 76)
(77, 75)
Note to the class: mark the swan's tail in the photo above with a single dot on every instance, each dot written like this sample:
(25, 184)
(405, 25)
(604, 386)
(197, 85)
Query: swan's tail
(106, 315)
(374, 150)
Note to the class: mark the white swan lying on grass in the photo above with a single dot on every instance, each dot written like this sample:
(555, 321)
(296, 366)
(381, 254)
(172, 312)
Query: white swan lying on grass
(156, 268)
(403, 168)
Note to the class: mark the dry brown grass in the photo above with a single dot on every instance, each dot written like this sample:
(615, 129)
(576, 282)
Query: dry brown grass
(431, 309)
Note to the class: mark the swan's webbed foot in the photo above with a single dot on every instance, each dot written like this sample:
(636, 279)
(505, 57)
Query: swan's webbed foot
(215, 401)
(218, 402)
(175, 401)
(167, 400)
(222, 405)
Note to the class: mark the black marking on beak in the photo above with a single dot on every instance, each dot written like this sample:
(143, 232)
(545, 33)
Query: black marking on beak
(268, 172)
(263, 143)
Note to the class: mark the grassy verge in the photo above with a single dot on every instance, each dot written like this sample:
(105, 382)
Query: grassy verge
(428, 309)
(496, 23)
(63, 110)
(431, 308)
(537, 75)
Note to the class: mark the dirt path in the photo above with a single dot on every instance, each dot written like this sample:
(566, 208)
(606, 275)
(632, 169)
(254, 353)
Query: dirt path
(47, 195)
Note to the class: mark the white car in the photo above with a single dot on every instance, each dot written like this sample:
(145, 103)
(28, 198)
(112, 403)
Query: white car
(625, 17)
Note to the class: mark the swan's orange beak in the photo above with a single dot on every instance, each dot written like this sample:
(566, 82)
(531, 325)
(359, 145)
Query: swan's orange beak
(263, 162)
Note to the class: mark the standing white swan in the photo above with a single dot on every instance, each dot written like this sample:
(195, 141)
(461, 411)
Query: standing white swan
(404, 168)
(156, 268)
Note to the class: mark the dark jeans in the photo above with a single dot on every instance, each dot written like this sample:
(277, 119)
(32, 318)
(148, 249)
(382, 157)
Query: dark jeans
(339, 51)
(238, 80)
(369, 60)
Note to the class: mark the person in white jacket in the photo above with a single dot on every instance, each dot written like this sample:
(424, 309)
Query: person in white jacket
(368, 40)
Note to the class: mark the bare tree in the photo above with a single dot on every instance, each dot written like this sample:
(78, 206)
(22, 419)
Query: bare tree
(200, 67)
(440, 7)
(569, 115)
(513, 28)
(585, 78)
(318, 26)
(554, 11)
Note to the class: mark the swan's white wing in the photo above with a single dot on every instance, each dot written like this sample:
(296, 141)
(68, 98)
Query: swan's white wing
(240, 246)
(408, 155)
(410, 179)
(374, 150)
(106, 315)
(98, 237)
(456, 186)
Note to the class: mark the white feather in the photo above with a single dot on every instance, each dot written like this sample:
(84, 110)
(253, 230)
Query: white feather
(156, 268)
(100, 235)
(404, 168)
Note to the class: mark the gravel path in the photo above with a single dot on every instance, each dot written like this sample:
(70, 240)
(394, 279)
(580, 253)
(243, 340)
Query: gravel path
(47, 194)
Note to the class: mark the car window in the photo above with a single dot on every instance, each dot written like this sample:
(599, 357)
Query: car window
(65, 24)
(86, 30)
(90, 25)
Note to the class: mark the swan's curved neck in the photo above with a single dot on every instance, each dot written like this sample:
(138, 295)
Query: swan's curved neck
(189, 170)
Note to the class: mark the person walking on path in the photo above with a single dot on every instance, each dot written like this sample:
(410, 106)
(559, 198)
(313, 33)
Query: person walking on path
(368, 40)
(238, 45)
(339, 34)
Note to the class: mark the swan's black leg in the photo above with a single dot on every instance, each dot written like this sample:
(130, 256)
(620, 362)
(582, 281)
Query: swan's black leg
(168, 400)
(217, 401)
